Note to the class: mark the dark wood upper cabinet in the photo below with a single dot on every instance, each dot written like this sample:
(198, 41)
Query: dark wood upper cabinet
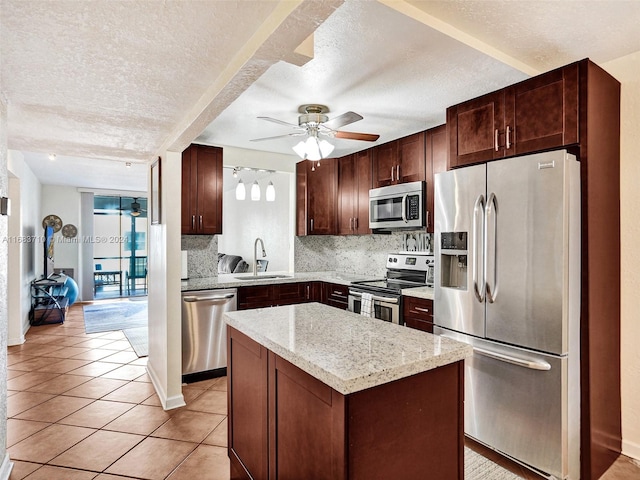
(354, 182)
(316, 197)
(201, 190)
(436, 162)
(537, 114)
(399, 161)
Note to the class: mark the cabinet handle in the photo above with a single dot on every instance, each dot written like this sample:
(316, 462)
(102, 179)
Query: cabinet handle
(508, 141)
(420, 309)
(308, 295)
(427, 218)
(398, 172)
(392, 174)
(193, 222)
(356, 223)
(495, 139)
(200, 222)
(312, 224)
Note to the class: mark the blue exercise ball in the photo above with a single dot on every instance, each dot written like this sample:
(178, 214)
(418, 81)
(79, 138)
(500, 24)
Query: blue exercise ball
(72, 289)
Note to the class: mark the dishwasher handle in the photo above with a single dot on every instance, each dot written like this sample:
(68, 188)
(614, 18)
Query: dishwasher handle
(194, 298)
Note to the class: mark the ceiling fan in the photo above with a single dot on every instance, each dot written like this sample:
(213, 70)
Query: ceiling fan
(314, 122)
(135, 209)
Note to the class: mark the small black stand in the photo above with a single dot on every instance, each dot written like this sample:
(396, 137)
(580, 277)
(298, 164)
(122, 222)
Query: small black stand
(48, 300)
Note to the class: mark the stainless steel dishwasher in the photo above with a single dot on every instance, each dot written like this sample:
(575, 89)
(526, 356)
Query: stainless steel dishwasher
(204, 339)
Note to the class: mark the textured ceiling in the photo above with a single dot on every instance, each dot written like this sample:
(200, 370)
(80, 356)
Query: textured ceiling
(119, 80)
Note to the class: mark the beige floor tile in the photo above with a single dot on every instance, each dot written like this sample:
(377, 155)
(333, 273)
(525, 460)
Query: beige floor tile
(220, 384)
(95, 369)
(96, 342)
(55, 409)
(23, 401)
(14, 358)
(42, 339)
(219, 435)
(96, 388)
(205, 458)
(34, 363)
(48, 472)
(18, 430)
(48, 443)
(140, 361)
(153, 458)
(132, 392)
(125, 372)
(14, 373)
(96, 414)
(94, 354)
(122, 357)
(189, 426)
(34, 348)
(60, 384)
(64, 365)
(118, 345)
(190, 393)
(623, 469)
(67, 341)
(153, 401)
(143, 378)
(141, 419)
(22, 469)
(67, 352)
(211, 401)
(97, 451)
(115, 335)
(30, 379)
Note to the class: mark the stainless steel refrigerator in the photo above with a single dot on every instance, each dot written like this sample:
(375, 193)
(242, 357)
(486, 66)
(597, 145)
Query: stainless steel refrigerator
(507, 281)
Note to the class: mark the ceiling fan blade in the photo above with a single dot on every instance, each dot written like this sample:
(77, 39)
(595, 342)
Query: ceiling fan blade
(342, 120)
(295, 134)
(275, 120)
(367, 137)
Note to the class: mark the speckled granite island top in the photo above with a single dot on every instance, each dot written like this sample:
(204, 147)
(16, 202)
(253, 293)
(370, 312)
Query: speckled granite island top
(344, 350)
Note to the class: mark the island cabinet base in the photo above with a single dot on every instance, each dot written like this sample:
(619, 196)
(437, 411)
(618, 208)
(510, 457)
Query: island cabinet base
(286, 424)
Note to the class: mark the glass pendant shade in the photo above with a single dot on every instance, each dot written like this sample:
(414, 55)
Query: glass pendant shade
(241, 191)
(255, 191)
(313, 149)
(270, 193)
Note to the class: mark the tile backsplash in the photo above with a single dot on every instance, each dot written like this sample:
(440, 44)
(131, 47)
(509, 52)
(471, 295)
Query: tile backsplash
(202, 259)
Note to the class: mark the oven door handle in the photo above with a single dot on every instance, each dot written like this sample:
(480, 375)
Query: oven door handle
(375, 297)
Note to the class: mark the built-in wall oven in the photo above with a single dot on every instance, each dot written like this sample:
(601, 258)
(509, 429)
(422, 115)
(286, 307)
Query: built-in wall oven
(404, 270)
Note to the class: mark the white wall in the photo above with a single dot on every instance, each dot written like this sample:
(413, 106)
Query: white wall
(245, 220)
(25, 257)
(627, 71)
(65, 203)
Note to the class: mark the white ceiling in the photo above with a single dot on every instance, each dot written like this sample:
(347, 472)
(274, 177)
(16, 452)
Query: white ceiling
(102, 83)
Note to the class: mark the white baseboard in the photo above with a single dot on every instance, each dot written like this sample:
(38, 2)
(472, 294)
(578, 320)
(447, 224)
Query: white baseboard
(631, 449)
(12, 341)
(6, 467)
(168, 403)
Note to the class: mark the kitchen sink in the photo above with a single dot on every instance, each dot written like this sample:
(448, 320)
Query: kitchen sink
(262, 277)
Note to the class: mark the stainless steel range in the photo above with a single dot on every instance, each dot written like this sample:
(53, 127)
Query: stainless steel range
(404, 270)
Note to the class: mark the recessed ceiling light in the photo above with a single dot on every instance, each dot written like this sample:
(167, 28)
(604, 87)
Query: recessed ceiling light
(128, 164)
(52, 156)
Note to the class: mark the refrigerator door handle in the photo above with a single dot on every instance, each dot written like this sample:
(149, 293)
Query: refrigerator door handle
(491, 246)
(521, 362)
(478, 213)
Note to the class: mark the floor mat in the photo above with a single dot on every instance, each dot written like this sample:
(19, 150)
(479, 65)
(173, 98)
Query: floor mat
(105, 317)
(139, 339)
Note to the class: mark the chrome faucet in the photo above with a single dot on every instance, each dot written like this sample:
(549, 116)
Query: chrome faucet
(255, 255)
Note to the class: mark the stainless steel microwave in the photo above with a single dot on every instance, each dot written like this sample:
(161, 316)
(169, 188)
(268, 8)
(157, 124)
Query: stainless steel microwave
(400, 206)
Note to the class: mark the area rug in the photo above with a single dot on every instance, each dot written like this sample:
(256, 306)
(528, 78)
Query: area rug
(139, 339)
(477, 467)
(106, 317)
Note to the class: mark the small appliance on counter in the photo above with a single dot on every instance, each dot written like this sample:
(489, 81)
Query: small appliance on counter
(404, 270)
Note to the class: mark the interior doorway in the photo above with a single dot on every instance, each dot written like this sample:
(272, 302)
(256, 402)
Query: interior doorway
(119, 246)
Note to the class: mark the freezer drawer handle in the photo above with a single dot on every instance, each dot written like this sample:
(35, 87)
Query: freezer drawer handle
(207, 299)
(532, 364)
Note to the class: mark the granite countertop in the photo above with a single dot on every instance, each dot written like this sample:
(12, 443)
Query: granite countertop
(344, 350)
(232, 280)
(419, 292)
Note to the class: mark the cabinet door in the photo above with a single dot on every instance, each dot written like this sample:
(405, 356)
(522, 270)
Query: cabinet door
(301, 198)
(189, 191)
(290, 293)
(475, 128)
(411, 157)
(363, 169)
(209, 207)
(418, 313)
(435, 162)
(336, 295)
(322, 197)
(255, 297)
(542, 113)
(347, 194)
(385, 164)
(248, 405)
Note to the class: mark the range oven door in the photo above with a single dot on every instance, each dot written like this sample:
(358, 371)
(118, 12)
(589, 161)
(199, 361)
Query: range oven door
(385, 308)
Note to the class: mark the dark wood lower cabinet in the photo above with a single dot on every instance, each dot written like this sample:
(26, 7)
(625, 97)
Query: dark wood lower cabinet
(418, 313)
(407, 429)
(335, 295)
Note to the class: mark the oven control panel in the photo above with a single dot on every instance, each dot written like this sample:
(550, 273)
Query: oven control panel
(403, 261)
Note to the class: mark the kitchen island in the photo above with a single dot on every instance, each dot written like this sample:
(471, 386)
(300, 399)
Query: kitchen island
(316, 392)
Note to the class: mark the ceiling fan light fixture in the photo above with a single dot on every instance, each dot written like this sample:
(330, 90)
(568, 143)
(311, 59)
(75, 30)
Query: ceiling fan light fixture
(241, 191)
(300, 149)
(270, 193)
(255, 191)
